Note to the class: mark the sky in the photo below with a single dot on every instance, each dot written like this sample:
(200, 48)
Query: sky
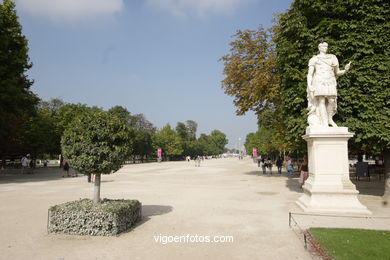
(155, 57)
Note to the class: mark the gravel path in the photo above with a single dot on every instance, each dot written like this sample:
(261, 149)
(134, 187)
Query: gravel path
(223, 197)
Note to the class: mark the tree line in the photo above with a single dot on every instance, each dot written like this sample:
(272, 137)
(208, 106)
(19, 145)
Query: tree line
(31, 125)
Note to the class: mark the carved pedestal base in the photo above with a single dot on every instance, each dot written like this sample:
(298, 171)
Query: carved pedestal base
(328, 189)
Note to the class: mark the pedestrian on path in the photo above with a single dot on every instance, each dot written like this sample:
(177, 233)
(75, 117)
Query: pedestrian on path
(290, 167)
(263, 165)
(197, 161)
(65, 168)
(24, 164)
(269, 165)
(304, 171)
(279, 165)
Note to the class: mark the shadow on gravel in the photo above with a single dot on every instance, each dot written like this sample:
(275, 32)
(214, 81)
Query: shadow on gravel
(365, 187)
(39, 174)
(149, 211)
(294, 185)
(260, 173)
(155, 210)
(373, 187)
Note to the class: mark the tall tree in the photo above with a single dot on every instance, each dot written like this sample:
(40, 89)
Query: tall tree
(192, 127)
(17, 102)
(250, 69)
(182, 131)
(356, 31)
(219, 142)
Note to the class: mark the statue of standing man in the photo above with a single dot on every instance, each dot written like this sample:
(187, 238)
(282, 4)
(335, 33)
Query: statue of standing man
(322, 87)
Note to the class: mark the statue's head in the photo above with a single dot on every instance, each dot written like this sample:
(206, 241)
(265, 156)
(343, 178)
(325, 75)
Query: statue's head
(323, 46)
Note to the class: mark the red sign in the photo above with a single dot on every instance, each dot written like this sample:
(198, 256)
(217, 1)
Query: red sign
(159, 153)
(254, 152)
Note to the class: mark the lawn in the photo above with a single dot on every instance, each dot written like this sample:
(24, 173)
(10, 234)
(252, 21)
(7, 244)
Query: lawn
(340, 243)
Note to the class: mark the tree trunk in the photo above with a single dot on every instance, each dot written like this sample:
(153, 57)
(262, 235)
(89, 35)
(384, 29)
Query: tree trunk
(96, 193)
(386, 196)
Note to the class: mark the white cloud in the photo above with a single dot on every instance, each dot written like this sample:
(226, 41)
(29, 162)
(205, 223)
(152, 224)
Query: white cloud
(201, 8)
(70, 9)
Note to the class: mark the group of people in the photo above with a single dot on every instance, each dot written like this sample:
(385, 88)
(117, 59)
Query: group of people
(303, 167)
(264, 164)
(27, 165)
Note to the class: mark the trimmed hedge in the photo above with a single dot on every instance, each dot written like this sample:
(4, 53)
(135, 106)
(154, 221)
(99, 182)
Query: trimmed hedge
(83, 217)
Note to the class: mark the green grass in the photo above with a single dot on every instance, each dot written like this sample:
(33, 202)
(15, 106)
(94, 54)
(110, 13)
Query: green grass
(341, 243)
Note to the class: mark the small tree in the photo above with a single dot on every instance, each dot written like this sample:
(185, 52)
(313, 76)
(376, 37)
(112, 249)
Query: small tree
(97, 143)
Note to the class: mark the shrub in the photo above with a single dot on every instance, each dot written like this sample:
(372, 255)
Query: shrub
(83, 217)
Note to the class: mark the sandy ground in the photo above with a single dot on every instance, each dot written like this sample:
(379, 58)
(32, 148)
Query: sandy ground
(227, 197)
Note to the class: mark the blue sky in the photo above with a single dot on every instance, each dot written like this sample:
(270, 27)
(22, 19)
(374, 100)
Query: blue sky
(156, 57)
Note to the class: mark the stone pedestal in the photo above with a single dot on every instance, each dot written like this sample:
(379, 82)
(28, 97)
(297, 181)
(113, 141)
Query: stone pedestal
(328, 189)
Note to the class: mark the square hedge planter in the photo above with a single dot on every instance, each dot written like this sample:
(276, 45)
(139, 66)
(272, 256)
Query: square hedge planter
(82, 217)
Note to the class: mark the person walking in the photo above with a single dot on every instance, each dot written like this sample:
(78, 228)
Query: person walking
(197, 161)
(304, 171)
(290, 167)
(279, 165)
(269, 165)
(263, 165)
(65, 168)
(32, 165)
(24, 164)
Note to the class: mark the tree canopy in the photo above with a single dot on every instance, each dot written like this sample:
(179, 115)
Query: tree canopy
(17, 102)
(97, 143)
(250, 69)
(356, 31)
(168, 140)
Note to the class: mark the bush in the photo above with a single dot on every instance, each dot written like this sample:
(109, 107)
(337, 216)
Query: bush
(83, 217)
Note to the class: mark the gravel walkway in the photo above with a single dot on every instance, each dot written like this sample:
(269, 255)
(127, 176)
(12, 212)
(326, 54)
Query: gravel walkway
(223, 197)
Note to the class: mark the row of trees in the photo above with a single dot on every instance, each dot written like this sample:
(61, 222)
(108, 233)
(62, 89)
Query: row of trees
(30, 125)
(266, 72)
(45, 127)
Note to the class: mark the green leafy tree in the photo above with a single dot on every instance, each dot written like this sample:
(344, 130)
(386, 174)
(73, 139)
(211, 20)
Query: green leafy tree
(43, 129)
(96, 143)
(182, 131)
(52, 106)
(250, 143)
(17, 102)
(204, 145)
(356, 31)
(253, 81)
(169, 141)
(143, 145)
(219, 141)
(41, 135)
(192, 127)
(122, 113)
(67, 114)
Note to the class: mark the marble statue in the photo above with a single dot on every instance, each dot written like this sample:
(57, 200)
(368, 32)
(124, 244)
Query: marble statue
(321, 87)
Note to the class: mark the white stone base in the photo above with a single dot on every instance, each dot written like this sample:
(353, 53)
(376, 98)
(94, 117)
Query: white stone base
(328, 189)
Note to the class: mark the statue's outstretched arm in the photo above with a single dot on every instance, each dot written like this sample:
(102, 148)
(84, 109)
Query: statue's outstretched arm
(345, 70)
